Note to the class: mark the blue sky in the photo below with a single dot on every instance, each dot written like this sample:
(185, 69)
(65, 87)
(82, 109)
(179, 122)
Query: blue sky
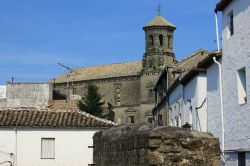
(37, 34)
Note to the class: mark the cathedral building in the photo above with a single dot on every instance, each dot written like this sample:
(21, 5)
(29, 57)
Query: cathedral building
(129, 87)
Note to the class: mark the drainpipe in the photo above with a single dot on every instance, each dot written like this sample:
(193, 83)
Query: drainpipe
(222, 112)
(217, 32)
(15, 146)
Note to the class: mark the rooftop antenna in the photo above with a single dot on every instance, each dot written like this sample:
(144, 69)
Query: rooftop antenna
(159, 9)
(68, 75)
(12, 79)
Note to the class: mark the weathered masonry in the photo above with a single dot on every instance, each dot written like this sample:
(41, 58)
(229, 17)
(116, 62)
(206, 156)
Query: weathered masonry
(143, 145)
(129, 86)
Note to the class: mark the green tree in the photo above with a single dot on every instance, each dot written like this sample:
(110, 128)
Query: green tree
(111, 114)
(91, 102)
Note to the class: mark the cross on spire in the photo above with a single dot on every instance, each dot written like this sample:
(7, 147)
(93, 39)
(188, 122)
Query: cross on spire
(159, 9)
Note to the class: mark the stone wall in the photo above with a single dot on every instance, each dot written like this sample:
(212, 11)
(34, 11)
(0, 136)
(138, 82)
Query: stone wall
(129, 93)
(143, 145)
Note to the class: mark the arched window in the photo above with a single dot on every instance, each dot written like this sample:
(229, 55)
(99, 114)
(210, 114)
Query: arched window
(160, 40)
(118, 96)
(151, 40)
(131, 119)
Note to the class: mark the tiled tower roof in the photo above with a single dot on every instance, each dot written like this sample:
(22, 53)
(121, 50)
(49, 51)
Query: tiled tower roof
(159, 21)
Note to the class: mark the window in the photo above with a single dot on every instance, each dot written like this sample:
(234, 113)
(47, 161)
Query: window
(230, 24)
(150, 93)
(48, 148)
(150, 120)
(132, 119)
(118, 96)
(241, 159)
(160, 122)
(160, 40)
(241, 83)
(176, 121)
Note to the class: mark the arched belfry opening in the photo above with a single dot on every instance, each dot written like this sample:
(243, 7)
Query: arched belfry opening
(159, 46)
(160, 40)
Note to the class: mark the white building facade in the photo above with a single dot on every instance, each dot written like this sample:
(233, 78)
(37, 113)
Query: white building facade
(194, 98)
(236, 82)
(47, 137)
(187, 103)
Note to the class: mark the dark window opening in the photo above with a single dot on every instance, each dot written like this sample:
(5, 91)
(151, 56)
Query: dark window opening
(160, 122)
(241, 159)
(151, 93)
(150, 120)
(231, 23)
(160, 40)
(132, 119)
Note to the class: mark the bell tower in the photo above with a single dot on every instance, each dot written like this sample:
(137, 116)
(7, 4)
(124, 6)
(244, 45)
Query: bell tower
(159, 44)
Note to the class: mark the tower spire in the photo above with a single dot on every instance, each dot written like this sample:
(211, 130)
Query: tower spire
(159, 10)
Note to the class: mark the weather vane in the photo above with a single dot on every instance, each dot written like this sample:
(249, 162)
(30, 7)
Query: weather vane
(159, 9)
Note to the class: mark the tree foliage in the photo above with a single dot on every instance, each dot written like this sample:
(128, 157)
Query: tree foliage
(111, 114)
(91, 102)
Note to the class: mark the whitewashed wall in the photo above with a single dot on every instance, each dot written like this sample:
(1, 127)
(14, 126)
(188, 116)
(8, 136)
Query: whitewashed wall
(179, 102)
(213, 101)
(236, 54)
(71, 146)
(176, 105)
(28, 95)
(195, 91)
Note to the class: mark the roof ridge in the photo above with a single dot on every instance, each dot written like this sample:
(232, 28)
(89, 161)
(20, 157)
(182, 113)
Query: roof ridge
(101, 65)
(191, 55)
(96, 121)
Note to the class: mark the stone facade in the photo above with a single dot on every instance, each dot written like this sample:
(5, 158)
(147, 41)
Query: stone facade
(129, 86)
(143, 145)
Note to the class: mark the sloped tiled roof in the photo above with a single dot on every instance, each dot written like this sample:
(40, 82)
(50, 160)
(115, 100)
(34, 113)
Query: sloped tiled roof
(192, 60)
(29, 117)
(159, 21)
(102, 71)
(200, 66)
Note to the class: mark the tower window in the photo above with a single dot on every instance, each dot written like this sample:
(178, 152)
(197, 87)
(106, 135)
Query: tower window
(151, 40)
(118, 96)
(160, 40)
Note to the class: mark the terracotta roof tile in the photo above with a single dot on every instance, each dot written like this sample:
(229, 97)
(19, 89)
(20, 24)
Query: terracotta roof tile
(47, 118)
(159, 21)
